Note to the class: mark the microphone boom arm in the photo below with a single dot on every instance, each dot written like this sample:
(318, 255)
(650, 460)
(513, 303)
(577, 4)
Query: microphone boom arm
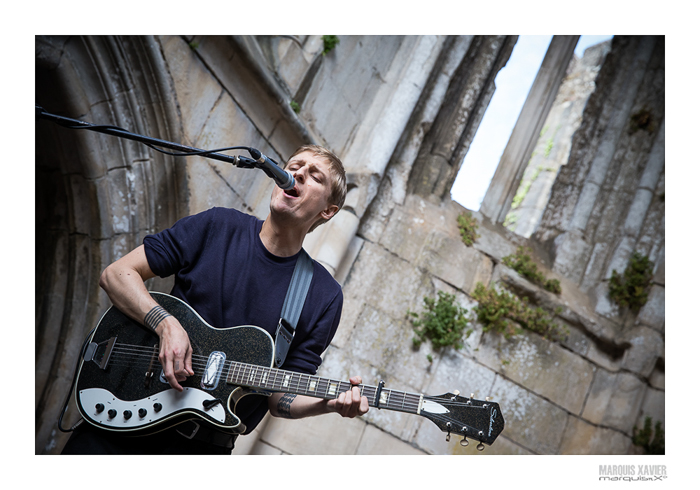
(236, 160)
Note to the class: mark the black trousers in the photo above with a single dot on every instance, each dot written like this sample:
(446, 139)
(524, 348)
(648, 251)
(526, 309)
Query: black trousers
(87, 439)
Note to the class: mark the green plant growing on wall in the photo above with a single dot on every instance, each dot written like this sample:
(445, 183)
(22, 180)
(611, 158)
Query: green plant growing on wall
(652, 442)
(467, 225)
(631, 288)
(295, 106)
(507, 314)
(329, 43)
(548, 148)
(443, 322)
(523, 264)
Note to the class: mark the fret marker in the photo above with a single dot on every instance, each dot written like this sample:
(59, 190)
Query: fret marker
(286, 380)
(312, 385)
(252, 375)
(264, 378)
(331, 388)
(383, 397)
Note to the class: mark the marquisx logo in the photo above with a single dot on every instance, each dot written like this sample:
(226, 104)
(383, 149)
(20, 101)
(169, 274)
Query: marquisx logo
(631, 472)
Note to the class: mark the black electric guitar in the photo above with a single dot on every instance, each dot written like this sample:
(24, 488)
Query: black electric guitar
(120, 385)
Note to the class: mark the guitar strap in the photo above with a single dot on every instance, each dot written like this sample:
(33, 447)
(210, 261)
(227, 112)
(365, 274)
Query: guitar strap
(293, 304)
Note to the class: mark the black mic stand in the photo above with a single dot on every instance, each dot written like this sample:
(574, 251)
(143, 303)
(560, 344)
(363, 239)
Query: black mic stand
(238, 161)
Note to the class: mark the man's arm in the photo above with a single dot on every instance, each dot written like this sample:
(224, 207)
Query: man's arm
(291, 406)
(123, 281)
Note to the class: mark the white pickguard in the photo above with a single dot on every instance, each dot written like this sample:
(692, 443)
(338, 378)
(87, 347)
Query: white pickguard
(170, 401)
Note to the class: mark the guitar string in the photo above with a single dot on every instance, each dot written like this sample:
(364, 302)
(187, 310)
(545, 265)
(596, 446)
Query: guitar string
(247, 370)
(122, 353)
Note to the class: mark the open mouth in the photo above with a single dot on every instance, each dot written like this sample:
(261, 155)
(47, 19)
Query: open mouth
(292, 192)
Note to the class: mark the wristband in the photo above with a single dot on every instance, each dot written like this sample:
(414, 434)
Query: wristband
(155, 316)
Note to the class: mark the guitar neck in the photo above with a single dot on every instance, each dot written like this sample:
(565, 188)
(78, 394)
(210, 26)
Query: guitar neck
(277, 380)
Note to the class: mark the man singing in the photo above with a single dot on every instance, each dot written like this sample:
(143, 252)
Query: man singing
(234, 269)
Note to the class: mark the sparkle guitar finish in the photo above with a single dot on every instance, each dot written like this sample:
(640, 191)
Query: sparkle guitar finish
(120, 385)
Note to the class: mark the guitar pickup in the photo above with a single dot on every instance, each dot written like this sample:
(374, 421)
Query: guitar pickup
(212, 373)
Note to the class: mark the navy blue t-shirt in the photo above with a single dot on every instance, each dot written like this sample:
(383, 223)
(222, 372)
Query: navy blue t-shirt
(223, 271)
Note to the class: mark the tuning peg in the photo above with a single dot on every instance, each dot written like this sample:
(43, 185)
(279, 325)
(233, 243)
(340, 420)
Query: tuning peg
(455, 392)
(480, 447)
(488, 398)
(464, 442)
(471, 396)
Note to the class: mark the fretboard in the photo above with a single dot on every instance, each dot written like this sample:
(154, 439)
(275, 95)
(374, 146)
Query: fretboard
(277, 380)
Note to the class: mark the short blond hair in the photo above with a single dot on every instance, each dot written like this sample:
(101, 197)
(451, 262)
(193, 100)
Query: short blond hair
(339, 187)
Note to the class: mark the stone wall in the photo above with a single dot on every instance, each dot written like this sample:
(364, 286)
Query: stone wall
(400, 111)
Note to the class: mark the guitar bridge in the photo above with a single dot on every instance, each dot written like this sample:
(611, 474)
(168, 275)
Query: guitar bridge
(100, 353)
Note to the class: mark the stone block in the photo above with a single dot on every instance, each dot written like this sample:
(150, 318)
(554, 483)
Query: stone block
(406, 233)
(455, 371)
(119, 198)
(603, 358)
(384, 280)
(660, 270)
(572, 252)
(653, 313)
(448, 258)
(375, 441)
(581, 437)
(263, 449)
(654, 406)
(531, 421)
(604, 305)
(493, 243)
(325, 434)
(646, 346)
(614, 399)
(541, 366)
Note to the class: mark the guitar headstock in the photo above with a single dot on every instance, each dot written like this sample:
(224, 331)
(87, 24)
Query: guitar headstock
(480, 420)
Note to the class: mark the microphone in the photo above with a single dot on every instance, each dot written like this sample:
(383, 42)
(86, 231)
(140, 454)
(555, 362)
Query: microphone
(282, 178)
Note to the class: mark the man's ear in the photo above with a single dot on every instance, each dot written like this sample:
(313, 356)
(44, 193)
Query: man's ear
(329, 212)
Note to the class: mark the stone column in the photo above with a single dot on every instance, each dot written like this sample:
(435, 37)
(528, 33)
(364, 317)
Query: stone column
(522, 141)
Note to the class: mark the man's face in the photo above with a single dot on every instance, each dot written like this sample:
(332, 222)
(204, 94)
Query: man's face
(307, 202)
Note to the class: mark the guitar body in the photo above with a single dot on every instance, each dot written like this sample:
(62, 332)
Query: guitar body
(120, 385)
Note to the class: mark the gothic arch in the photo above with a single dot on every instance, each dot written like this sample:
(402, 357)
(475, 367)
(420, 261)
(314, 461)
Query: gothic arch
(96, 195)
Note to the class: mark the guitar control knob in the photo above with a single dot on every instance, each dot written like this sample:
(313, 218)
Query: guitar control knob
(157, 407)
(480, 447)
(464, 442)
(112, 413)
(142, 412)
(99, 408)
(127, 414)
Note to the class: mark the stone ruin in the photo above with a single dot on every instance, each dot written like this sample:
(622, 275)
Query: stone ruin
(401, 112)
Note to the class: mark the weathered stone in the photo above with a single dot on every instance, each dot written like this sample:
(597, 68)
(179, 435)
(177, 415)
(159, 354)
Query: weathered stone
(375, 441)
(581, 437)
(541, 366)
(572, 255)
(531, 421)
(646, 346)
(653, 313)
(385, 280)
(654, 406)
(311, 435)
(448, 258)
(613, 397)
